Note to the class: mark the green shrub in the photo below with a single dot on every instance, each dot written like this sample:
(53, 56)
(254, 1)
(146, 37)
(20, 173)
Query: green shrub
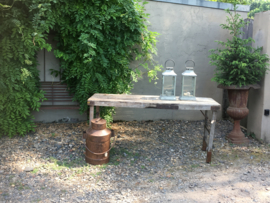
(237, 63)
(97, 41)
(257, 7)
(21, 36)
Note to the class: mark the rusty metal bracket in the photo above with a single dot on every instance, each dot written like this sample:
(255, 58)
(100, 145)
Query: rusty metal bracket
(215, 108)
(205, 127)
(209, 156)
(205, 116)
(204, 147)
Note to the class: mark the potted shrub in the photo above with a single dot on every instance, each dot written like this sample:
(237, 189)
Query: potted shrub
(239, 67)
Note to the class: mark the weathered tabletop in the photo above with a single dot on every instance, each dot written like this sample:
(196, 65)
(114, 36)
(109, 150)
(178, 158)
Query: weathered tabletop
(149, 101)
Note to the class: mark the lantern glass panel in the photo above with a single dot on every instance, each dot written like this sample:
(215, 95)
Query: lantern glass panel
(168, 85)
(188, 86)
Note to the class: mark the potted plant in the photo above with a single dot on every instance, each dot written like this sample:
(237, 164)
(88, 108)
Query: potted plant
(239, 67)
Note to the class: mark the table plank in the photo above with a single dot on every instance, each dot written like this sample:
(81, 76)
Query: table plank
(151, 101)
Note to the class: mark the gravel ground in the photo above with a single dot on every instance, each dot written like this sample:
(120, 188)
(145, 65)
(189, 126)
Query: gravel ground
(158, 161)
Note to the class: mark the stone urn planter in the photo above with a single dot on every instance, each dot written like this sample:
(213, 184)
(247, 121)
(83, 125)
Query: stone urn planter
(238, 97)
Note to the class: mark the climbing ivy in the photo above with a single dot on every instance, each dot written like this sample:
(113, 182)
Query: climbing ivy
(97, 41)
(22, 31)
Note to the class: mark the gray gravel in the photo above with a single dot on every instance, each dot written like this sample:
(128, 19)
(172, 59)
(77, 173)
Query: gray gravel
(158, 161)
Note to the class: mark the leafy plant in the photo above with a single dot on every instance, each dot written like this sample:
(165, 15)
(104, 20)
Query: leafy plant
(243, 2)
(257, 7)
(97, 41)
(237, 62)
(22, 30)
(252, 135)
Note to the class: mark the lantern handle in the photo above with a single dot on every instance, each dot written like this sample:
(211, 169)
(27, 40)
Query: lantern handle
(170, 60)
(189, 60)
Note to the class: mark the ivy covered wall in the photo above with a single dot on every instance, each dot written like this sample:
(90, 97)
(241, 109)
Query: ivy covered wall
(22, 34)
(97, 42)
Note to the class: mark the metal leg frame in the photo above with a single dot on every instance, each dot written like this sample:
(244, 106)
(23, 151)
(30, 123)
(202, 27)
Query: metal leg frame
(212, 130)
(204, 146)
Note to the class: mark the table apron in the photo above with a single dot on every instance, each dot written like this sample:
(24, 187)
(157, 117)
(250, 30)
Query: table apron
(153, 106)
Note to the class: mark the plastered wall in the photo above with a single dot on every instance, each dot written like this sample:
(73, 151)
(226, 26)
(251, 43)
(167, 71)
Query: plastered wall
(186, 32)
(259, 100)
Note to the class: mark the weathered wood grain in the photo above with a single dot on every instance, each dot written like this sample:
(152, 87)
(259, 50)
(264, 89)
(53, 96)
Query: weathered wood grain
(211, 138)
(91, 114)
(212, 131)
(145, 101)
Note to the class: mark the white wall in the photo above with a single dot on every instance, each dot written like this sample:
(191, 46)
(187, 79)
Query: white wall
(259, 100)
(186, 32)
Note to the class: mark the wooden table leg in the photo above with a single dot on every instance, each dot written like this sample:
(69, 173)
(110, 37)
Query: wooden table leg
(211, 138)
(205, 132)
(91, 114)
(97, 112)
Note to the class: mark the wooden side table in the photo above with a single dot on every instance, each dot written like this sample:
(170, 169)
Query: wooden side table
(149, 101)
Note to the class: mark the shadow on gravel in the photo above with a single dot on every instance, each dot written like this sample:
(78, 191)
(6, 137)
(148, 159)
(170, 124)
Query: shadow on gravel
(152, 162)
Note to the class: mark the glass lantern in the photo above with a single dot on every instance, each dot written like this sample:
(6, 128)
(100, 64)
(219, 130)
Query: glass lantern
(169, 83)
(188, 83)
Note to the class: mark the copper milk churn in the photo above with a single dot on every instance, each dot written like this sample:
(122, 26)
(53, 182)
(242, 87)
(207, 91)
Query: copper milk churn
(97, 142)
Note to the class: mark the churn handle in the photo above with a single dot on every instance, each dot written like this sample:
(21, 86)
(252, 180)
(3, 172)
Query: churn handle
(107, 150)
